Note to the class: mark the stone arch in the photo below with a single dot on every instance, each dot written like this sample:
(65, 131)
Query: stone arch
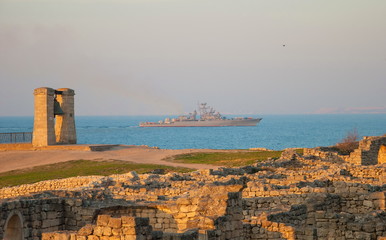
(13, 229)
(382, 154)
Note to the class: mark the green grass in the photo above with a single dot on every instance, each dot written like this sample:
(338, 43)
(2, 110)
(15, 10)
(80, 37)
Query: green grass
(105, 168)
(228, 159)
(77, 168)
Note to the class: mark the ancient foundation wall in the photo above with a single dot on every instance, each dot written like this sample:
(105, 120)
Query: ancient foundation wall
(158, 219)
(118, 228)
(46, 214)
(322, 216)
(368, 152)
(325, 155)
(109, 228)
(36, 216)
(227, 226)
(58, 184)
(371, 151)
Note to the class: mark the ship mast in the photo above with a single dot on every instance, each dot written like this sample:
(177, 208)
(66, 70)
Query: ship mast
(203, 110)
(208, 113)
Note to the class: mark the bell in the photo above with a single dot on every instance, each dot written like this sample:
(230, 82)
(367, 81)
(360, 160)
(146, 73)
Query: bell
(57, 109)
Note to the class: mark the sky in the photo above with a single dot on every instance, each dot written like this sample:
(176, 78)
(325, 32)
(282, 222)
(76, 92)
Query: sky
(159, 57)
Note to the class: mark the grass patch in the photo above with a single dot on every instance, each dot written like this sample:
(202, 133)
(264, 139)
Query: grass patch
(229, 159)
(77, 168)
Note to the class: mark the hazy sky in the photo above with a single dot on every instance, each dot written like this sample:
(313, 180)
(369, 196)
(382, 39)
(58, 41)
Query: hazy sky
(132, 57)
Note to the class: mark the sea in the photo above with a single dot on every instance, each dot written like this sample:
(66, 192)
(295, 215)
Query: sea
(273, 132)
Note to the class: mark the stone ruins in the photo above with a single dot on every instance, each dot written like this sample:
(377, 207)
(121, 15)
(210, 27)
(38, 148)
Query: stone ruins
(54, 119)
(317, 195)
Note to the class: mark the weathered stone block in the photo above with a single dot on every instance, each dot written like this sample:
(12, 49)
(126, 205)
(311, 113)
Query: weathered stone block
(115, 222)
(116, 231)
(52, 215)
(126, 220)
(92, 237)
(50, 223)
(128, 231)
(107, 231)
(48, 236)
(98, 231)
(86, 230)
(322, 232)
(130, 237)
(103, 220)
(115, 238)
(368, 227)
(368, 203)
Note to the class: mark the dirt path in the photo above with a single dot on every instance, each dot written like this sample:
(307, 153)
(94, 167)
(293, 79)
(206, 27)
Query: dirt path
(12, 160)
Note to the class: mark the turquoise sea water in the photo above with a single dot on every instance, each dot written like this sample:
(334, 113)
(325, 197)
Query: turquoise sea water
(273, 132)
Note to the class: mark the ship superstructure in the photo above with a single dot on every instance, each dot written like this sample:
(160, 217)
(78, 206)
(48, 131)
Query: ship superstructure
(208, 118)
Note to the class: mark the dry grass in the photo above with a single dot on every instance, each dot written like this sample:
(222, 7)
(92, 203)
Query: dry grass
(229, 159)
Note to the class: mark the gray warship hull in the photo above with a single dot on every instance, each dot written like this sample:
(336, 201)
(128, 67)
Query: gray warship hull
(208, 118)
(206, 123)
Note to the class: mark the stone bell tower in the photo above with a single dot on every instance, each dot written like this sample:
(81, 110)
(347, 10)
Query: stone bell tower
(54, 120)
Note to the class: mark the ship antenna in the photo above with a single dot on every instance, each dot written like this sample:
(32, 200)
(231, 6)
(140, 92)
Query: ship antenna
(198, 107)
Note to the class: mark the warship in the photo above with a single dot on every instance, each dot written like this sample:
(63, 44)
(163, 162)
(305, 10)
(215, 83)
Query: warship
(208, 118)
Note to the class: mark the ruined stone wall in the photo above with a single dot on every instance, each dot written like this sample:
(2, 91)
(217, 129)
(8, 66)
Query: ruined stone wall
(38, 215)
(65, 184)
(325, 155)
(323, 216)
(106, 227)
(366, 172)
(254, 189)
(118, 228)
(230, 225)
(371, 151)
(325, 224)
(368, 151)
(78, 212)
(45, 213)
(158, 219)
(261, 228)
(217, 213)
(206, 208)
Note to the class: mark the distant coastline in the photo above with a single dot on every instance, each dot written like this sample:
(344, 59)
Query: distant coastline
(358, 110)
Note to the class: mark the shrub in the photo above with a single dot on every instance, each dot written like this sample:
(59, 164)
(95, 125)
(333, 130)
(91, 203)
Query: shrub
(349, 143)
